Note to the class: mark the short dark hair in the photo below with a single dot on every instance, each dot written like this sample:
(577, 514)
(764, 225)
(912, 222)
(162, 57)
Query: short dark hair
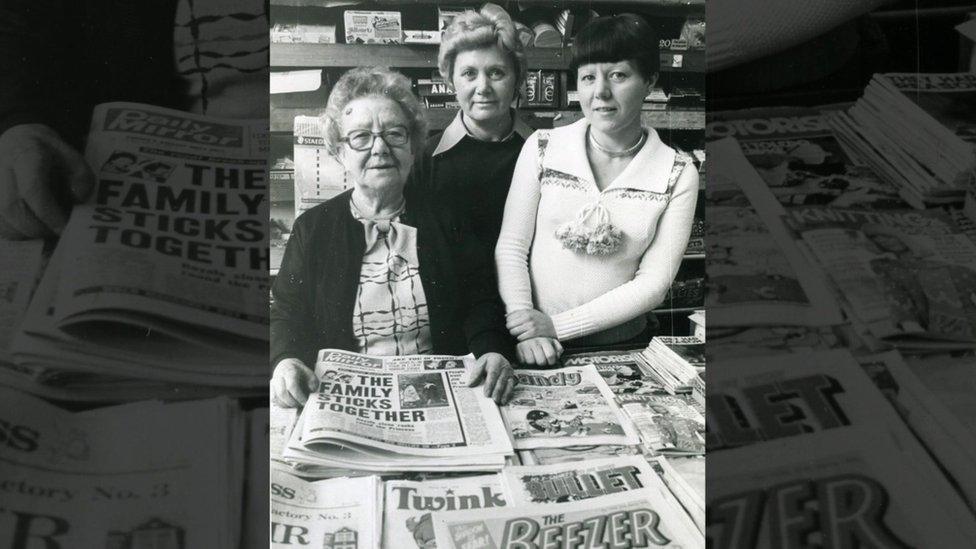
(616, 38)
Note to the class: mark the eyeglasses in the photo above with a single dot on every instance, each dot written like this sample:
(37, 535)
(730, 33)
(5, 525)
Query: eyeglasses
(362, 140)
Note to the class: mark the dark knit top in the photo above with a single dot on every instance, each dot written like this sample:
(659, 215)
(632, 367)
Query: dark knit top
(476, 176)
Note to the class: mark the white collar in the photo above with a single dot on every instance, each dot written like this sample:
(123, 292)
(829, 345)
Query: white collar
(649, 170)
(455, 131)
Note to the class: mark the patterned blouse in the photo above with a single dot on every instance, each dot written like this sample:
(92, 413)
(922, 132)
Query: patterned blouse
(390, 316)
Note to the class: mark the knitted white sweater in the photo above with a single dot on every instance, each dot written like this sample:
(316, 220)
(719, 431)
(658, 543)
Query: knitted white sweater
(585, 294)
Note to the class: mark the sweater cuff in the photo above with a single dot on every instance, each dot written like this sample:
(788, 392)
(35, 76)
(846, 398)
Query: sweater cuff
(572, 324)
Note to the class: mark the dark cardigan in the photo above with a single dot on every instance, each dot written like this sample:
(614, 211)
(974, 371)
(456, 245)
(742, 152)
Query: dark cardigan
(314, 292)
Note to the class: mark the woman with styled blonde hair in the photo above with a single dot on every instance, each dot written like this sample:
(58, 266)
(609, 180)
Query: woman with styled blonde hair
(470, 164)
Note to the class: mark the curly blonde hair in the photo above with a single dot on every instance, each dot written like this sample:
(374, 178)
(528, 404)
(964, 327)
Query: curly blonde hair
(472, 30)
(373, 82)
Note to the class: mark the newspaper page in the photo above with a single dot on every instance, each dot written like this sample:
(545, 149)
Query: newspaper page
(691, 496)
(949, 440)
(623, 371)
(550, 456)
(756, 274)
(414, 405)
(333, 513)
(758, 400)
(634, 519)
(409, 505)
(668, 424)
(801, 160)
(905, 274)
(281, 423)
(855, 479)
(174, 237)
(567, 406)
(84, 480)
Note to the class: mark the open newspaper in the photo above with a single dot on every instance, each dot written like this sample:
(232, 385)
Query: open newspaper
(163, 275)
(404, 413)
(112, 477)
(333, 513)
(848, 488)
(567, 406)
(802, 160)
(410, 504)
(908, 276)
(639, 518)
(756, 276)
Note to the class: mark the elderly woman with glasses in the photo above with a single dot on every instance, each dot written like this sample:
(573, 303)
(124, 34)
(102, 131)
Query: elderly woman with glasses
(377, 269)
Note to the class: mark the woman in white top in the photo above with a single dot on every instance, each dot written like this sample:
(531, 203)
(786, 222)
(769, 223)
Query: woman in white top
(599, 211)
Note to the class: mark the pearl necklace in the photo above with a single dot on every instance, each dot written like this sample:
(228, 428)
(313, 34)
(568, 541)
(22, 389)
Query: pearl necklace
(616, 154)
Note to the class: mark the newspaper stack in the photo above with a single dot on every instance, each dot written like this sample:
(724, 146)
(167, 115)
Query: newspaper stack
(395, 414)
(333, 513)
(676, 361)
(160, 281)
(113, 477)
(917, 130)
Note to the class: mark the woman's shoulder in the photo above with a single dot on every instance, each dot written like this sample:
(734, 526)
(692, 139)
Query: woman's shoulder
(332, 209)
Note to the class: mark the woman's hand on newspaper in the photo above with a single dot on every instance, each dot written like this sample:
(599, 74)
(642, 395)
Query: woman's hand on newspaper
(539, 351)
(40, 177)
(292, 382)
(499, 376)
(526, 324)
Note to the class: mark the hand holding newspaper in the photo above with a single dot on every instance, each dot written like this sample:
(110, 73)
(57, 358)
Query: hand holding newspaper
(164, 273)
(403, 413)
